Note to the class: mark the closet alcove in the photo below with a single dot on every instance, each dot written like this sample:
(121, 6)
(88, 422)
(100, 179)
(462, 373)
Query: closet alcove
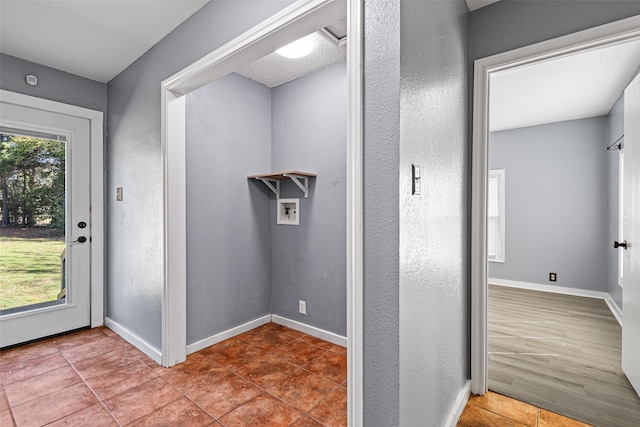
(243, 268)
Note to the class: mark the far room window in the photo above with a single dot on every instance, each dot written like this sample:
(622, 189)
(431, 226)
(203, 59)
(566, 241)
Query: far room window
(495, 216)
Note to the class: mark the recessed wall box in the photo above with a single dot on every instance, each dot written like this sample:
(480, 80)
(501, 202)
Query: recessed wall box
(288, 211)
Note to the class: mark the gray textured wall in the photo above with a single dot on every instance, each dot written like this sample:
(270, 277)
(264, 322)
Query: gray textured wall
(53, 84)
(228, 239)
(381, 162)
(615, 129)
(135, 247)
(555, 203)
(511, 24)
(434, 290)
(309, 260)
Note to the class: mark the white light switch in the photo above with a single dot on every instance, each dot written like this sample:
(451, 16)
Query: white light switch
(415, 179)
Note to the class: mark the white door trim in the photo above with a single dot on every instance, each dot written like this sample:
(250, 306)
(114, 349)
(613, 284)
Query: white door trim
(296, 20)
(355, 210)
(97, 189)
(608, 34)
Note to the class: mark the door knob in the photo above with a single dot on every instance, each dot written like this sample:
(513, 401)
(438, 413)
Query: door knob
(80, 239)
(620, 245)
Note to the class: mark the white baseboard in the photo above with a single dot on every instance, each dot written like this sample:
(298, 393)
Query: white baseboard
(150, 351)
(617, 312)
(613, 307)
(459, 404)
(548, 288)
(230, 333)
(134, 340)
(311, 330)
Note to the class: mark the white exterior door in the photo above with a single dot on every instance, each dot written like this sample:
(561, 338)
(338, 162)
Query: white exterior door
(70, 309)
(631, 235)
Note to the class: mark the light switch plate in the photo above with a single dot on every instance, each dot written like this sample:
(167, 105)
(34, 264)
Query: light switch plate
(415, 179)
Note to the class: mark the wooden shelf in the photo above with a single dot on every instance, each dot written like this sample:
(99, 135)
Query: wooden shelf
(272, 180)
(281, 175)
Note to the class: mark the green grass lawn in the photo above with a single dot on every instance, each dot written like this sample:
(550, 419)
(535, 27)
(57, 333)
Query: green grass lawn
(29, 270)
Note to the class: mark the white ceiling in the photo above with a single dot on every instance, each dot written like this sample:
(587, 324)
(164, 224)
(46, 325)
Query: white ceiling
(574, 87)
(96, 39)
(477, 4)
(274, 69)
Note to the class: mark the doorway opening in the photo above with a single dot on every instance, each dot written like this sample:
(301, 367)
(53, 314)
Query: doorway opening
(486, 69)
(290, 24)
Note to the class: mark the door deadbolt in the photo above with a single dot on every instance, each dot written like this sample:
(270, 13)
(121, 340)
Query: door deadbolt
(82, 224)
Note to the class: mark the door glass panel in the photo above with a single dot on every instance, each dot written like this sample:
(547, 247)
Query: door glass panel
(32, 233)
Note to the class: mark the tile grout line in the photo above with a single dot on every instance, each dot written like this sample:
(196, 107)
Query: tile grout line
(145, 382)
(264, 390)
(230, 372)
(307, 413)
(73, 366)
(101, 401)
(9, 407)
(185, 396)
(196, 403)
(508, 417)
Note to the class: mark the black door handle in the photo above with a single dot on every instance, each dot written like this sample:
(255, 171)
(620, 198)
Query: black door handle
(80, 239)
(620, 245)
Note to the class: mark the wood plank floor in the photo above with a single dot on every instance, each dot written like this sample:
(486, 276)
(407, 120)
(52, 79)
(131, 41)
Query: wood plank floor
(561, 353)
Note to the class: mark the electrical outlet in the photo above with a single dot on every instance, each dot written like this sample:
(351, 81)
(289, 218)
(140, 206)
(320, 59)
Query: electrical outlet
(302, 307)
(552, 277)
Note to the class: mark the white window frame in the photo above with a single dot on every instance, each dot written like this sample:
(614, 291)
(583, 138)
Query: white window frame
(499, 256)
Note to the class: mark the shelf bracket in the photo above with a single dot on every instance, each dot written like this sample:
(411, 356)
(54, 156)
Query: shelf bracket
(296, 180)
(270, 183)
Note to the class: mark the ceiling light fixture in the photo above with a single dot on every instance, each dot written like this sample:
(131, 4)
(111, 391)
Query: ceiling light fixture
(298, 48)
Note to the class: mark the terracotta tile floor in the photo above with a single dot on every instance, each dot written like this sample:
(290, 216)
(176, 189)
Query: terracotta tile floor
(496, 410)
(270, 376)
